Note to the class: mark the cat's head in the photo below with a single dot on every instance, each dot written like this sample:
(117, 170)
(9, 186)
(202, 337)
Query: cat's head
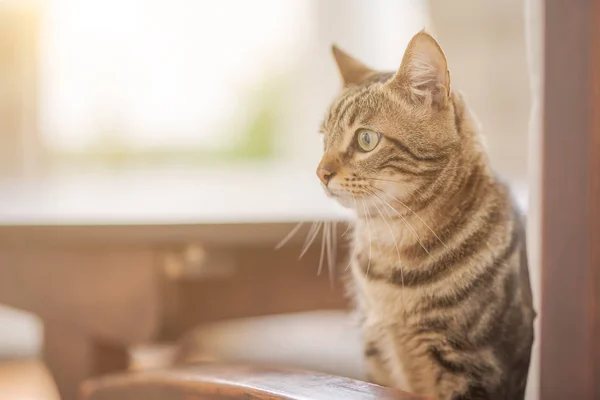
(387, 135)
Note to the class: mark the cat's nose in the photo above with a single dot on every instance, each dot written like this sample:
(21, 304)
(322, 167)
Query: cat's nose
(325, 173)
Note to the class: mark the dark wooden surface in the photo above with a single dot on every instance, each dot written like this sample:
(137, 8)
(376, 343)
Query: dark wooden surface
(265, 282)
(570, 342)
(220, 382)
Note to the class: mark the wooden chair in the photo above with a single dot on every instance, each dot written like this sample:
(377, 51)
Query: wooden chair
(220, 382)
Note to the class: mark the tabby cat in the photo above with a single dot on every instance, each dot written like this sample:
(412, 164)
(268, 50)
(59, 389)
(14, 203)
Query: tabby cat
(438, 263)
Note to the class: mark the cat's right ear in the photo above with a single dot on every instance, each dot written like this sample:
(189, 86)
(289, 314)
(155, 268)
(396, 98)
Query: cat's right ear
(352, 71)
(424, 72)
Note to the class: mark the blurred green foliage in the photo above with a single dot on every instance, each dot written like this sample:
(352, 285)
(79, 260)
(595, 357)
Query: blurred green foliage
(255, 141)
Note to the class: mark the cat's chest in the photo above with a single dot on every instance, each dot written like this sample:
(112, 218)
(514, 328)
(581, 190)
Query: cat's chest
(374, 234)
(377, 267)
(382, 300)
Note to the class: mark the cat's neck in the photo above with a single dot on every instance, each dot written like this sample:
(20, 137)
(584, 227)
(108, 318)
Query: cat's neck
(407, 224)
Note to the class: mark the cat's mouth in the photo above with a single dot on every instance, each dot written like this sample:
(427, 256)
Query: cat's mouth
(341, 191)
(328, 192)
(339, 195)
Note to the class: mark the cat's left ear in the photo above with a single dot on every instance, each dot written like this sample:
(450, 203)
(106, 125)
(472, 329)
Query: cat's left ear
(424, 72)
(352, 71)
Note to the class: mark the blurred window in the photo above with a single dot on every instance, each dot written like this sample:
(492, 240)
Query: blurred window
(198, 82)
(153, 83)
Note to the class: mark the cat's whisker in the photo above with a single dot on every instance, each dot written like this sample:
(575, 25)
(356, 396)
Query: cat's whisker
(418, 193)
(310, 237)
(327, 234)
(347, 228)
(383, 180)
(408, 225)
(417, 190)
(323, 240)
(335, 243)
(416, 215)
(354, 244)
(331, 249)
(394, 238)
(454, 168)
(289, 236)
(370, 238)
(376, 237)
(370, 178)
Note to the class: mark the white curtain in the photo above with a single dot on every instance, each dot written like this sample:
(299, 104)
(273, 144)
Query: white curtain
(535, 46)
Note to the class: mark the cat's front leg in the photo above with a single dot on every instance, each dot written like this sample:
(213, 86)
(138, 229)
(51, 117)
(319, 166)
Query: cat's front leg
(434, 369)
(375, 364)
(375, 356)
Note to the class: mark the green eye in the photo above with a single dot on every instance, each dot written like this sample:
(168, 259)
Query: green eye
(367, 139)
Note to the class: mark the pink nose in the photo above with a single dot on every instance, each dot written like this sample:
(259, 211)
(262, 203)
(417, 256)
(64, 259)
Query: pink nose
(325, 173)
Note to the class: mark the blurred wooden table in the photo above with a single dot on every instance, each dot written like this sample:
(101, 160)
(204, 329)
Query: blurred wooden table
(110, 263)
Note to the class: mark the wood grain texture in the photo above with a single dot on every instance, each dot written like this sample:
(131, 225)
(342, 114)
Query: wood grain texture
(570, 349)
(220, 382)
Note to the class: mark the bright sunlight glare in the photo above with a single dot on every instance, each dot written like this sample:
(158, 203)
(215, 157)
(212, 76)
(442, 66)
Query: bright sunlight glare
(161, 71)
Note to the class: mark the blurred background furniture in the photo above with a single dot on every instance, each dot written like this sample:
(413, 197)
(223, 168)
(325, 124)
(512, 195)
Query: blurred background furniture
(102, 289)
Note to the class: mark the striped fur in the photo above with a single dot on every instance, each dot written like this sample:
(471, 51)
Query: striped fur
(439, 265)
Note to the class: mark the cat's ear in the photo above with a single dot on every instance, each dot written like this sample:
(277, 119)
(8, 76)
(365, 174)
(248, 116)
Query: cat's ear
(424, 71)
(352, 71)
